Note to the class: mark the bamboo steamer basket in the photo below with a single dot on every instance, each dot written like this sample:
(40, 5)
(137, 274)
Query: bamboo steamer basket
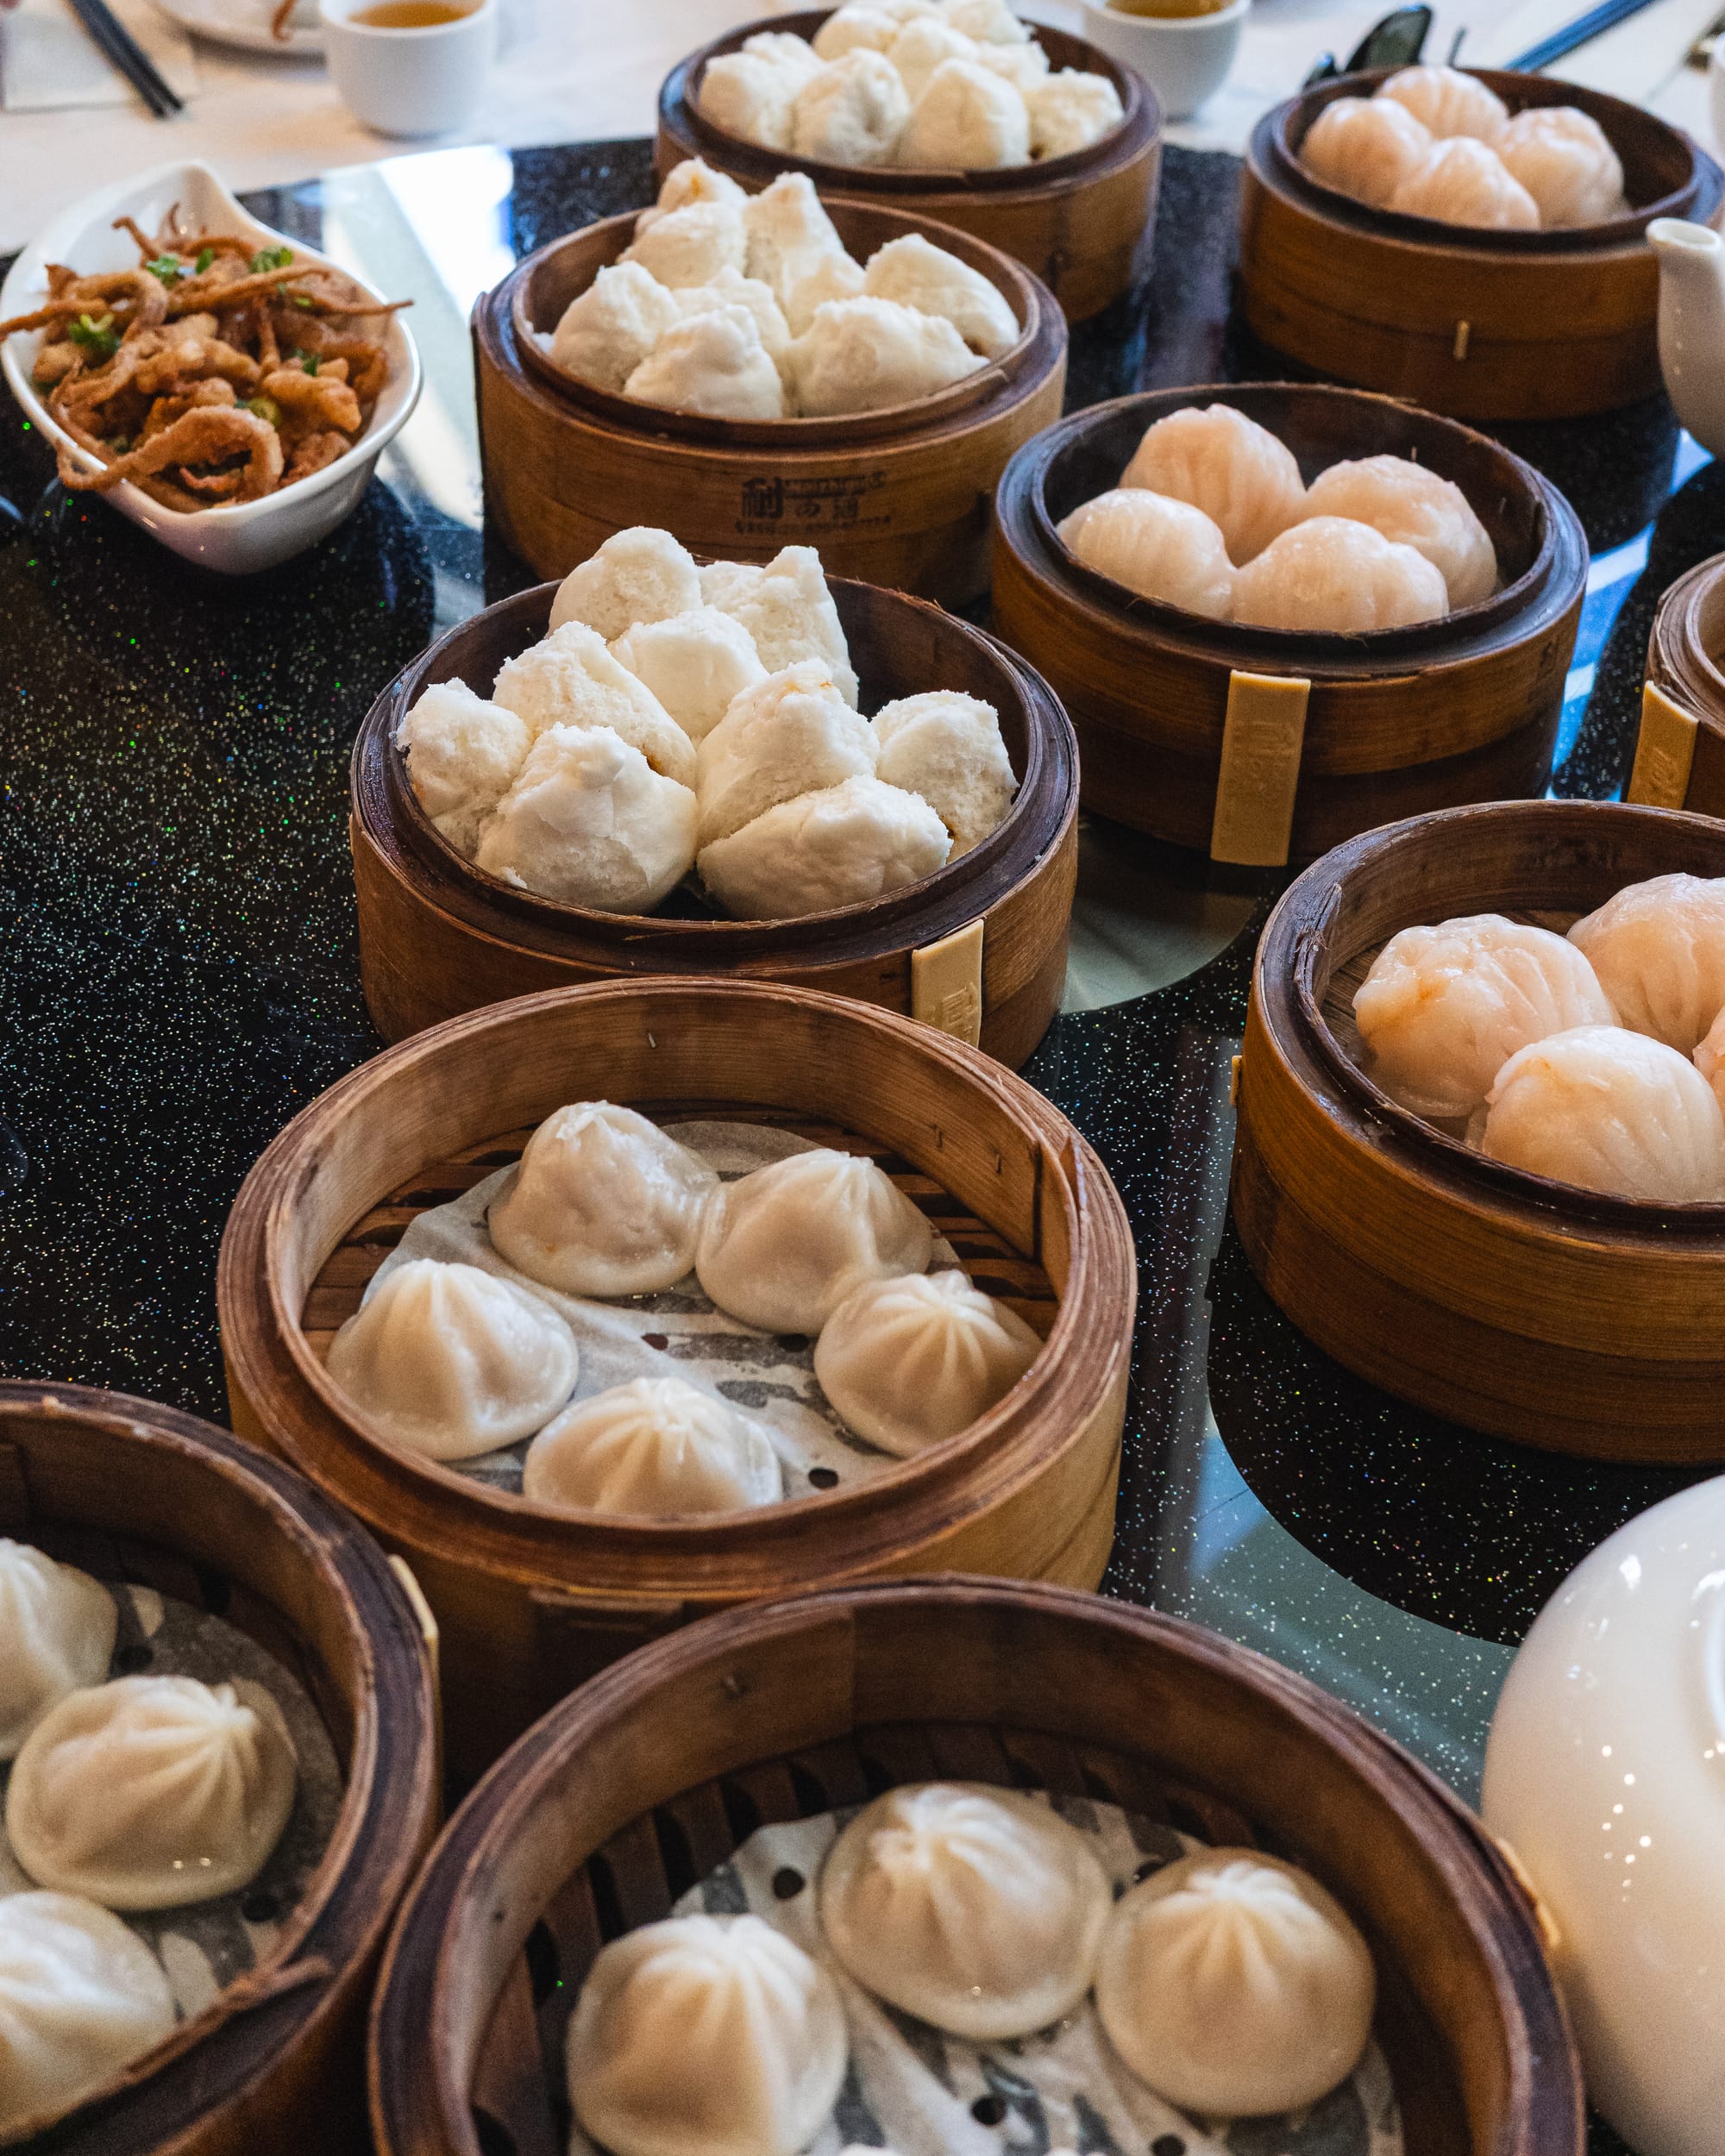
(978, 948)
(130, 1491)
(1493, 325)
(898, 497)
(531, 1602)
(625, 1794)
(1179, 735)
(1527, 1308)
(1681, 752)
(1084, 223)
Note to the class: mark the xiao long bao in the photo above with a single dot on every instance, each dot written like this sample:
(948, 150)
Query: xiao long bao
(81, 1997)
(57, 1630)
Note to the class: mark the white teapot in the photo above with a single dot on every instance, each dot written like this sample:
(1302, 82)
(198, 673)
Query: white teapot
(1692, 325)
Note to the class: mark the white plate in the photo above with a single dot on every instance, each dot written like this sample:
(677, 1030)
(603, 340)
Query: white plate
(233, 538)
(245, 25)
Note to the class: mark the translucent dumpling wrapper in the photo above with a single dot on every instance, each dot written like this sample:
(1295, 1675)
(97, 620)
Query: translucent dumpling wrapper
(450, 1361)
(910, 1362)
(968, 119)
(638, 574)
(1070, 111)
(946, 747)
(1609, 1110)
(921, 47)
(695, 664)
(706, 2036)
(989, 21)
(752, 95)
(571, 680)
(1465, 182)
(852, 113)
(605, 332)
(695, 180)
(1443, 1009)
(1245, 481)
(461, 751)
(788, 611)
(1235, 1985)
(690, 245)
(57, 1627)
(1658, 949)
(1330, 576)
(788, 234)
(1448, 102)
(81, 1997)
(730, 289)
(605, 1203)
(790, 735)
(589, 822)
(713, 365)
(1416, 508)
(782, 1247)
(915, 273)
(792, 54)
(1365, 147)
(1157, 547)
(867, 354)
(976, 1910)
(1709, 1058)
(153, 1792)
(656, 1448)
(844, 845)
(1563, 158)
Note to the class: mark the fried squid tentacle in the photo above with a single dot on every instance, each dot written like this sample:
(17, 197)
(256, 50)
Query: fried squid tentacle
(209, 435)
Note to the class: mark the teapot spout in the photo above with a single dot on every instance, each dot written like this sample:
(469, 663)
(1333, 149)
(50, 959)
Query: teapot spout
(1691, 260)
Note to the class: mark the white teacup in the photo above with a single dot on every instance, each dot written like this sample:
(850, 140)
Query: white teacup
(1184, 59)
(421, 81)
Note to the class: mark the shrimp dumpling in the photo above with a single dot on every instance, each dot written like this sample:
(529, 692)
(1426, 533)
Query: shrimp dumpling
(864, 355)
(1562, 156)
(714, 365)
(968, 119)
(588, 821)
(908, 1362)
(1070, 111)
(695, 664)
(753, 95)
(57, 1627)
(1365, 147)
(1235, 1985)
(852, 112)
(706, 2036)
(1329, 575)
(604, 1203)
(1443, 1009)
(791, 734)
(152, 1792)
(462, 752)
(450, 1361)
(1658, 949)
(571, 680)
(841, 845)
(1449, 102)
(1156, 546)
(788, 611)
(81, 1997)
(638, 574)
(1609, 1110)
(605, 332)
(1465, 182)
(946, 747)
(690, 245)
(979, 1910)
(1416, 508)
(1243, 479)
(657, 1448)
(782, 1247)
(917, 273)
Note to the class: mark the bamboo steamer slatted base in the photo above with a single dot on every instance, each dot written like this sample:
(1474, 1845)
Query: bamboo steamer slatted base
(1084, 223)
(530, 1603)
(1494, 325)
(1527, 1308)
(629, 1792)
(898, 497)
(1680, 756)
(132, 1492)
(1462, 708)
(437, 936)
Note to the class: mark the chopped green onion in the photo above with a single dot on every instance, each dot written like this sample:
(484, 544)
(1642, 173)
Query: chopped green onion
(206, 255)
(270, 258)
(311, 361)
(97, 338)
(168, 267)
(266, 407)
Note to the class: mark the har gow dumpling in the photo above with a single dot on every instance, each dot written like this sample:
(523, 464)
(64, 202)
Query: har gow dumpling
(605, 1203)
(694, 663)
(1443, 1009)
(1070, 111)
(714, 365)
(1608, 1110)
(638, 574)
(1365, 147)
(946, 747)
(1233, 1985)
(782, 1247)
(915, 273)
(1465, 182)
(788, 611)
(57, 1627)
(864, 355)
(1416, 508)
(462, 754)
(605, 332)
(656, 1448)
(570, 680)
(153, 1792)
(1658, 949)
(844, 845)
(1448, 102)
(852, 112)
(690, 245)
(588, 821)
(1243, 479)
(753, 95)
(908, 1362)
(792, 734)
(979, 1910)
(706, 2036)
(1561, 155)
(968, 119)
(450, 1361)
(81, 1997)
(1156, 546)
(1329, 575)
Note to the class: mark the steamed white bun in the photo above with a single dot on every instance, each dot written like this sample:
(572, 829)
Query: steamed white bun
(795, 55)
(462, 754)
(852, 112)
(855, 29)
(640, 574)
(842, 846)
(918, 274)
(690, 245)
(920, 48)
(714, 365)
(946, 746)
(864, 355)
(828, 277)
(590, 821)
(788, 233)
(728, 289)
(969, 119)
(791, 734)
(1023, 65)
(753, 95)
(1070, 111)
(605, 332)
(788, 611)
(694, 180)
(694, 663)
(1156, 546)
(571, 680)
(989, 21)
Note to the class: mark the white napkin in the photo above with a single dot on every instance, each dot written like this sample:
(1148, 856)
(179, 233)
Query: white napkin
(49, 62)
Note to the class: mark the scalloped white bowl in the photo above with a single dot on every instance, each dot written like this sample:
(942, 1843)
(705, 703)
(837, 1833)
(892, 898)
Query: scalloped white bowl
(234, 538)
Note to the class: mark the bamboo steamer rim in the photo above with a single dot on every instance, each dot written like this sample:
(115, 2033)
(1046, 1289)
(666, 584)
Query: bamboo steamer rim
(1688, 630)
(744, 939)
(427, 1990)
(1031, 303)
(1140, 122)
(978, 1457)
(292, 1979)
(1292, 953)
(1320, 653)
(1273, 151)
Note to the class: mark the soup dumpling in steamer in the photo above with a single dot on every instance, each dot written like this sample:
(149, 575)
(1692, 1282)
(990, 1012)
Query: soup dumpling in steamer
(1658, 948)
(1365, 147)
(57, 1627)
(654, 1448)
(1243, 479)
(909, 1362)
(1156, 546)
(1328, 575)
(1448, 102)
(81, 1997)
(1418, 508)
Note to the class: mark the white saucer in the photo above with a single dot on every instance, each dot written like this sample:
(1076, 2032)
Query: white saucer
(245, 26)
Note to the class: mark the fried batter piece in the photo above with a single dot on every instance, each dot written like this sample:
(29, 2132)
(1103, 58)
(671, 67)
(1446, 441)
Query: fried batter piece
(209, 436)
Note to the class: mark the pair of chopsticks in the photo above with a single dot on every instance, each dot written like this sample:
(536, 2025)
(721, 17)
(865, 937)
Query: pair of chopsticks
(121, 50)
(1579, 32)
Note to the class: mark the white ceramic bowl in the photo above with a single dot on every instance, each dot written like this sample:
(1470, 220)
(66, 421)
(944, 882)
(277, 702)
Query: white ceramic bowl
(410, 81)
(1185, 59)
(1606, 1774)
(233, 538)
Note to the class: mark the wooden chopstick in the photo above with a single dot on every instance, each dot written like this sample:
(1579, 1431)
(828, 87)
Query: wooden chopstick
(1579, 32)
(122, 49)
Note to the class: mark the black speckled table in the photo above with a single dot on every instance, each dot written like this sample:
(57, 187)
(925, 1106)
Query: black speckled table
(179, 976)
